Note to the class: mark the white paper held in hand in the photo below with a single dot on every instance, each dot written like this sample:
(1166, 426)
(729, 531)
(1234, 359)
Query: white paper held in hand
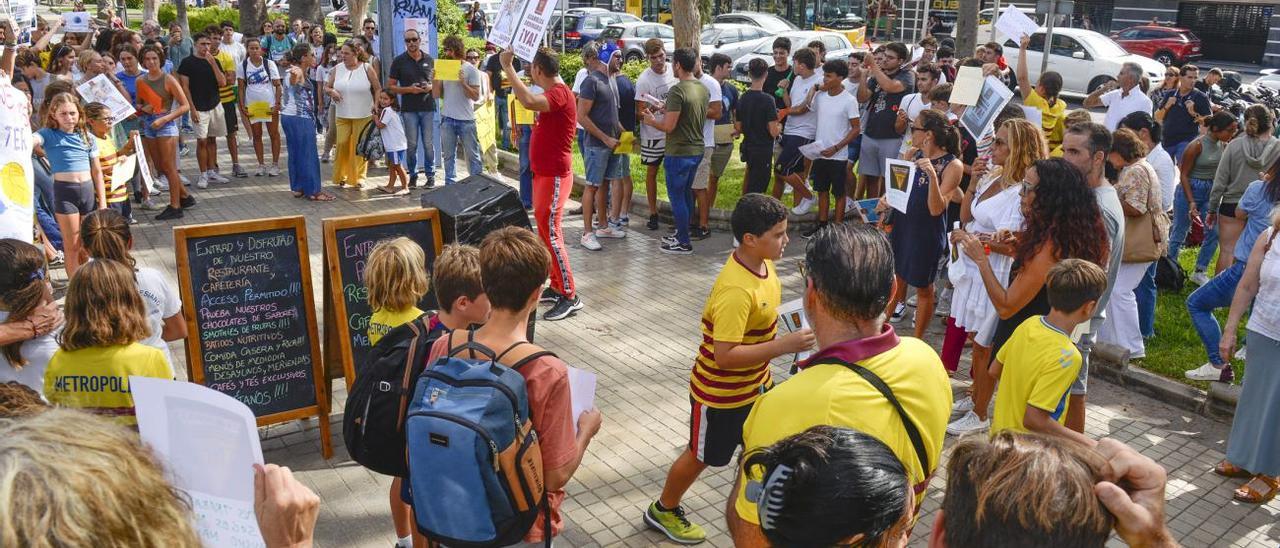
(967, 87)
(899, 176)
(1014, 24)
(791, 318)
(208, 442)
(582, 392)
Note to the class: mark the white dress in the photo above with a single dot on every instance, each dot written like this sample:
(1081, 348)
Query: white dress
(970, 304)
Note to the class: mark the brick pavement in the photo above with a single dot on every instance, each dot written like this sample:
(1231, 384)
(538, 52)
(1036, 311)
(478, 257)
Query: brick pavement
(638, 333)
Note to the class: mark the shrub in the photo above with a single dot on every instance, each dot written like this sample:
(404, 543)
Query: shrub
(570, 64)
(199, 18)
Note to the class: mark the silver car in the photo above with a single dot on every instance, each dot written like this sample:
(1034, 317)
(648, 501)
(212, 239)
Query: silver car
(631, 36)
(838, 47)
(732, 39)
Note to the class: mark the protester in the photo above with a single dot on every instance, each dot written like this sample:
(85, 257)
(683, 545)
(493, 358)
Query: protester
(410, 78)
(1242, 160)
(881, 87)
(1121, 97)
(689, 102)
(800, 128)
(723, 134)
(757, 121)
(1148, 132)
(732, 368)
(201, 77)
(837, 126)
(260, 102)
(702, 175)
(162, 101)
(298, 118)
(1252, 447)
(332, 57)
(231, 59)
(912, 105)
(276, 43)
(835, 387)
(624, 188)
(1199, 166)
(99, 124)
(458, 122)
(73, 158)
(1181, 111)
(652, 87)
(370, 36)
(1043, 96)
(24, 289)
(352, 85)
(598, 115)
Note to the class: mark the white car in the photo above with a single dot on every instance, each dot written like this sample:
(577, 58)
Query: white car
(766, 21)
(732, 39)
(1084, 58)
(838, 47)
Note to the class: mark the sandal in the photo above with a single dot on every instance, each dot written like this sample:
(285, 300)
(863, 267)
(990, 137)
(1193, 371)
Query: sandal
(297, 194)
(1246, 492)
(322, 197)
(1228, 470)
(386, 190)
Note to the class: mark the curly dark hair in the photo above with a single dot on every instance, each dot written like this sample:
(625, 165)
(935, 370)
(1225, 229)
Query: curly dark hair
(1064, 213)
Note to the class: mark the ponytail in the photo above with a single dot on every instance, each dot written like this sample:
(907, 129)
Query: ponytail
(105, 235)
(945, 135)
(22, 288)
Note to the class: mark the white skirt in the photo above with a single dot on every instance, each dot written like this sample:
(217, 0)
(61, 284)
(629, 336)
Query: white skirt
(971, 305)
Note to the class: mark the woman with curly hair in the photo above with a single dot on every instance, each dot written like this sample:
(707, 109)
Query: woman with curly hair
(1059, 209)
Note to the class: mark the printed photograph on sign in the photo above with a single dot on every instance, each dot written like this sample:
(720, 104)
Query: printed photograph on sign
(899, 174)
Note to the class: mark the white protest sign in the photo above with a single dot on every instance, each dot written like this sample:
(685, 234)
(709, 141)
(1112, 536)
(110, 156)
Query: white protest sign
(1033, 115)
(995, 95)
(209, 444)
(968, 84)
(533, 25)
(76, 21)
(17, 180)
(899, 176)
(101, 89)
(143, 166)
(505, 24)
(582, 392)
(1014, 24)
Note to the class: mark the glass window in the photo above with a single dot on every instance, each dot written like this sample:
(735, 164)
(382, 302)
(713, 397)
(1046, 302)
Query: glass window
(666, 33)
(709, 36)
(731, 36)
(1067, 46)
(611, 33)
(1128, 34)
(834, 43)
(645, 31)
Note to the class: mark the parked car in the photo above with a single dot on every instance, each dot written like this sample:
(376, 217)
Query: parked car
(1084, 58)
(985, 16)
(838, 47)
(631, 36)
(731, 39)
(766, 21)
(1169, 45)
(582, 25)
(341, 19)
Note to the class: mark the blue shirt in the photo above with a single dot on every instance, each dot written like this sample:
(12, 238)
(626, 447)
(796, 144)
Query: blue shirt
(68, 152)
(626, 102)
(1255, 204)
(130, 84)
(729, 95)
(1178, 125)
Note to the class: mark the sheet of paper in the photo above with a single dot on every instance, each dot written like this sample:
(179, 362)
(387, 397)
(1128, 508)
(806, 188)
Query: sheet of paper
(968, 84)
(582, 392)
(900, 175)
(143, 165)
(208, 442)
(791, 318)
(980, 117)
(123, 171)
(724, 134)
(524, 116)
(447, 69)
(76, 21)
(813, 151)
(653, 101)
(100, 89)
(259, 110)
(1033, 115)
(626, 142)
(24, 17)
(1014, 24)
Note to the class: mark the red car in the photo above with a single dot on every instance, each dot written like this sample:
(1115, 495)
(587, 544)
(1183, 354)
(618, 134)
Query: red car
(1169, 45)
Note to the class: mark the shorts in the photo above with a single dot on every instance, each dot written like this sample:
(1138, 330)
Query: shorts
(230, 116)
(702, 177)
(73, 198)
(720, 159)
(714, 434)
(790, 160)
(652, 151)
(874, 153)
(1227, 210)
(601, 165)
(212, 124)
(395, 157)
(168, 130)
(829, 176)
(624, 161)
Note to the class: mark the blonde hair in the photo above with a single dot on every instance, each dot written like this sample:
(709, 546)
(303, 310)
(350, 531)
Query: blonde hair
(68, 478)
(1077, 116)
(396, 274)
(1026, 146)
(57, 102)
(457, 274)
(103, 307)
(87, 57)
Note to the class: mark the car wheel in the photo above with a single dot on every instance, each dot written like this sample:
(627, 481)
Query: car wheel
(1165, 58)
(633, 56)
(1098, 82)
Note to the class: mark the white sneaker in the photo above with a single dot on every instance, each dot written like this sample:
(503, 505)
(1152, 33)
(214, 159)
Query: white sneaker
(1199, 278)
(216, 177)
(804, 206)
(162, 183)
(1206, 372)
(967, 424)
(590, 242)
(1240, 354)
(150, 205)
(203, 181)
(273, 170)
(611, 232)
(260, 171)
(963, 405)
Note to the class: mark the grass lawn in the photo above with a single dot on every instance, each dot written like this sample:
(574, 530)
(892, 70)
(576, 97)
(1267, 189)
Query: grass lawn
(729, 188)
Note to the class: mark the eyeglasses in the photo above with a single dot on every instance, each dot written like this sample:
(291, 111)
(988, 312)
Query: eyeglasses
(1027, 188)
(411, 40)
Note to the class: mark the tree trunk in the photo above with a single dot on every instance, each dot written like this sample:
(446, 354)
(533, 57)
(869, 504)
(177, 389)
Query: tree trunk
(181, 9)
(967, 28)
(359, 10)
(687, 22)
(150, 10)
(306, 10)
(252, 14)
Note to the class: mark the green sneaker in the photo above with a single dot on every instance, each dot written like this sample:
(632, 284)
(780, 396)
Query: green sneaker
(673, 524)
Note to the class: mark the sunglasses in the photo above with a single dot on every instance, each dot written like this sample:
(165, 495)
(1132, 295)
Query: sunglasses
(473, 57)
(1027, 188)
(411, 40)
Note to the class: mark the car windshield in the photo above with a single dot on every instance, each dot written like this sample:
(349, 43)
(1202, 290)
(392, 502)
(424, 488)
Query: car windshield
(611, 33)
(1102, 46)
(709, 36)
(570, 22)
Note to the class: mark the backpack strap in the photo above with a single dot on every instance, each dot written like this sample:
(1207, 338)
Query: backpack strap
(912, 432)
(528, 353)
(471, 345)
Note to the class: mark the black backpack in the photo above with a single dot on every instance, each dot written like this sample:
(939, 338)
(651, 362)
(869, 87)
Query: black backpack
(373, 424)
(1169, 274)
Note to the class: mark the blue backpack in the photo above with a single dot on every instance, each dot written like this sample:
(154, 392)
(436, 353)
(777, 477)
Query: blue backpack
(475, 467)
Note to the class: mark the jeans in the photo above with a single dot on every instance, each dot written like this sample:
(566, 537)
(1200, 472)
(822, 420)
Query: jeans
(1145, 294)
(526, 172)
(1202, 302)
(418, 128)
(680, 171)
(1182, 223)
(1176, 149)
(453, 131)
(500, 104)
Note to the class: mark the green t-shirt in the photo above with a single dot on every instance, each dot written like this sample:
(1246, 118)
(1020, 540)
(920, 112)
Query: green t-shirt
(689, 99)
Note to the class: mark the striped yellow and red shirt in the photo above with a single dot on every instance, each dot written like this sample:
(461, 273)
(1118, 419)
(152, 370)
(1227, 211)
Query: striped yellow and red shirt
(742, 309)
(107, 158)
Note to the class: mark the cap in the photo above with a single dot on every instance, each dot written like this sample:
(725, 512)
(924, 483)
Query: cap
(606, 52)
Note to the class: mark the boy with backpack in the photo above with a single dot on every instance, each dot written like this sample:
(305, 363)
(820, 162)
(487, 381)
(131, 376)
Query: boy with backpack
(456, 279)
(732, 368)
(513, 267)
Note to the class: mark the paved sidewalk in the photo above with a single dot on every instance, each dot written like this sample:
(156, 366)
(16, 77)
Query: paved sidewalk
(639, 333)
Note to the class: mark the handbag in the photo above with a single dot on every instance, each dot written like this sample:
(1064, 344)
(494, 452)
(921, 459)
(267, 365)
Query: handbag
(1144, 236)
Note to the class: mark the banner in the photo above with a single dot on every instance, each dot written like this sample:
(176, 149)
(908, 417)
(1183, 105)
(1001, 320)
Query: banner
(412, 14)
(486, 122)
(520, 26)
(17, 183)
(100, 89)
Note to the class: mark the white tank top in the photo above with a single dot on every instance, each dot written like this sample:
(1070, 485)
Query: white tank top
(357, 95)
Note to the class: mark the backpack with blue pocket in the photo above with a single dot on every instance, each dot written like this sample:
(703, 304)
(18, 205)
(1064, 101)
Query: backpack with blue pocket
(475, 467)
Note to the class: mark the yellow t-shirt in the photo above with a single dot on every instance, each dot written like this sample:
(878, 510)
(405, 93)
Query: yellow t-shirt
(743, 309)
(227, 93)
(96, 379)
(1051, 117)
(383, 321)
(831, 394)
(1039, 365)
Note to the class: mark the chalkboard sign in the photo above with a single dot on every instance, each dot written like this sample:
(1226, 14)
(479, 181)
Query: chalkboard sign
(347, 243)
(246, 291)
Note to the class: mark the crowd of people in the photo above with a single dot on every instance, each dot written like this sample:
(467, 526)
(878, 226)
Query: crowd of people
(1035, 242)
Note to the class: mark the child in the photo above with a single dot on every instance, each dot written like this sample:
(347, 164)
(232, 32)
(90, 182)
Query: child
(513, 267)
(99, 123)
(1043, 96)
(259, 79)
(78, 187)
(456, 277)
(1042, 360)
(838, 125)
(757, 121)
(100, 346)
(106, 235)
(23, 289)
(394, 141)
(732, 366)
(396, 276)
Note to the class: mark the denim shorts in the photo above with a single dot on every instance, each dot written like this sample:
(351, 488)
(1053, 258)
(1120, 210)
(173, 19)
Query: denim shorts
(602, 164)
(168, 130)
(395, 157)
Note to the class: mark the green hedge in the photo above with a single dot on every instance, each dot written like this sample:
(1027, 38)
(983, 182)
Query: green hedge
(199, 18)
